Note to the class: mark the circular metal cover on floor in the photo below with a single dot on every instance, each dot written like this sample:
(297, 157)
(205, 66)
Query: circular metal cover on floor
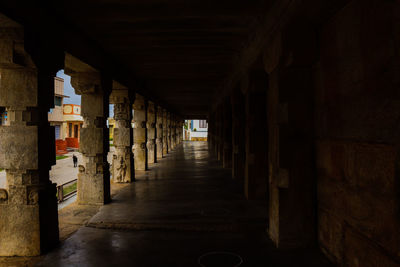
(220, 259)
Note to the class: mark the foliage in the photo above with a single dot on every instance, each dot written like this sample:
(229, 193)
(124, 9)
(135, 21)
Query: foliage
(61, 157)
(69, 189)
(194, 129)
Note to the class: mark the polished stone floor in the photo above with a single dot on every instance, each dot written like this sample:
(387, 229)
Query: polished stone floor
(182, 212)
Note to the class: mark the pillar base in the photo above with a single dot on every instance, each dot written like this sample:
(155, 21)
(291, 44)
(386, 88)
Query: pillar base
(29, 229)
(93, 189)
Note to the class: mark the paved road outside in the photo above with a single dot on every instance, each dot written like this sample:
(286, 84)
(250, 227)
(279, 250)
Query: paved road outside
(63, 171)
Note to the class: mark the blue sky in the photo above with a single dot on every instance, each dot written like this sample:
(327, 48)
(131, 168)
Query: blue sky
(69, 91)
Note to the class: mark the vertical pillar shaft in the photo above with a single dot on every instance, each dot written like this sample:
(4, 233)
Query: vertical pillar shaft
(238, 136)
(165, 132)
(173, 131)
(159, 141)
(28, 205)
(291, 120)
(220, 138)
(178, 131)
(94, 174)
(227, 133)
(169, 131)
(211, 132)
(256, 168)
(140, 133)
(122, 170)
(151, 133)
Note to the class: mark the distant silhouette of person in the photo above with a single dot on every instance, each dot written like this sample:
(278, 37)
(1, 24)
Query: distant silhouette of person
(75, 160)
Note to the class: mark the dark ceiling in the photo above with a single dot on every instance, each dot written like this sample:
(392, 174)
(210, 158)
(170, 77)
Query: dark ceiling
(182, 50)
(179, 52)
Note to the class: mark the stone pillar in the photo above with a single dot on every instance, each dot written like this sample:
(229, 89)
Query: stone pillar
(227, 133)
(169, 131)
(159, 141)
(140, 133)
(122, 162)
(165, 132)
(28, 205)
(291, 123)
(220, 138)
(238, 135)
(179, 131)
(215, 132)
(173, 131)
(211, 131)
(256, 168)
(151, 133)
(94, 172)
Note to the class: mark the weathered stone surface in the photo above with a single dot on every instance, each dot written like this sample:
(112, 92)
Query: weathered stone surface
(28, 206)
(256, 172)
(122, 137)
(91, 187)
(18, 147)
(165, 132)
(151, 133)
(20, 230)
(139, 134)
(24, 81)
(122, 162)
(94, 175)
(159, 125)
(169, 147)
(91, 142)
(356, 125)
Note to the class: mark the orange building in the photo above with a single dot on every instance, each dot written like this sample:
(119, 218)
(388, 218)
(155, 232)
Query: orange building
(72, 124)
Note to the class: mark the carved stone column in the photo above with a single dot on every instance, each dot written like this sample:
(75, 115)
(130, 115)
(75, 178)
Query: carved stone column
(211, 131)
(238, 135)
(94, 173)
(159, 141)
(151, 133)
(28, 205)
(256, 168)
(122, 162)
(165, 132)
(178, 131)
(219, 137)
(169, 131)
(140, 133)
(227, 133)
(292, 145)
(173, 132)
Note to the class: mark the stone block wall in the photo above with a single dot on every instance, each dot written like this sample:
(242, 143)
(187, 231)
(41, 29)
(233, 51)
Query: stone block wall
(357, 113)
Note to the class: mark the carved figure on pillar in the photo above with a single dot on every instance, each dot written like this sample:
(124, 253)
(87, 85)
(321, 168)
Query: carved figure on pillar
(122, 170)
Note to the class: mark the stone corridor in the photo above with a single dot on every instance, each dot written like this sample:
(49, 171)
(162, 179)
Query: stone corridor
(186, 206)
(301, 99)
